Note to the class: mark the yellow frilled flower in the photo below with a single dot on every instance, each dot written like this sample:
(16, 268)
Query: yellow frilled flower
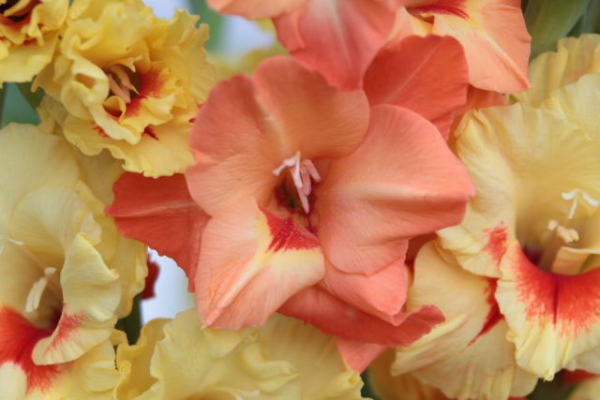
(29, 33)
(130, 83)
(534, 225)
(66, 275)
(285, 359)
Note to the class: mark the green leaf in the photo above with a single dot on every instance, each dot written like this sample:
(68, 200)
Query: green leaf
(210, 17)
(15, 108)
(550, 20)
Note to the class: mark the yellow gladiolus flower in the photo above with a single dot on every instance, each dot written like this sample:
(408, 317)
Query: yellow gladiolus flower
(29, 33)
(533, 226)
(130, 83)
(66, 275)
(285, 359)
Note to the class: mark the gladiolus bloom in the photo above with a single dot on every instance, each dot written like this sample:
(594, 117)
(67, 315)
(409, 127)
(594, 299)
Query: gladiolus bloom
(285, 359)
(130, 83)
(67, 276)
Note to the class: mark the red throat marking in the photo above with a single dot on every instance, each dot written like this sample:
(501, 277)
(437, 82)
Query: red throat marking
(66, 325)
(574, 300)
(18, 337)
(446, 7)
(497, 243)
(494, 316)
(287, 235)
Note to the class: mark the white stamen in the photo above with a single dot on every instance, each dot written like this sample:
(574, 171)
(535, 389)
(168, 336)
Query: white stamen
(4, 240)
(302, 174)
(574, 195)
(37, 290)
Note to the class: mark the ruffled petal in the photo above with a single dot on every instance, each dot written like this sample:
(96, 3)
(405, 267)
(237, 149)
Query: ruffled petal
(471, 345)
(573, 58)
(338, 38)
(251, 261)
(422, 61)
(553, 318)
(374, 200)
(505, 148)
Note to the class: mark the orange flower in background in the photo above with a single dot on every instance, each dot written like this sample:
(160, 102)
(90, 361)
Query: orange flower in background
(304, 190)
(492, 32)
(340, 38)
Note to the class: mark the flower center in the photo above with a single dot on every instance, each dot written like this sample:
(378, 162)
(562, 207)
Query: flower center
(16, 16)
(564, 233)
(122, 82)
(303, 172)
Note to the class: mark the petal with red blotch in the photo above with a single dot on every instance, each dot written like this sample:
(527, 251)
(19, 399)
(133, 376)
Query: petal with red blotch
(253, 9)
(381, 294)
(153, 271)
(409, 73)
(331, 315)
(553, 318)
(393, 187)
(285, 108)
(338, 38)
(160, 213)
(252, 260)
(359, 355)
(471, 345)
(495, 40)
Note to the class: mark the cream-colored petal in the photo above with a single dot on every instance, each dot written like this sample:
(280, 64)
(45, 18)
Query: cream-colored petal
(471, 346)
(574, 58)
(510, 152)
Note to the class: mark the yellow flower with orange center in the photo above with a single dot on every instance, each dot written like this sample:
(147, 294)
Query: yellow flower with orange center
(29, 34)
(130, 83)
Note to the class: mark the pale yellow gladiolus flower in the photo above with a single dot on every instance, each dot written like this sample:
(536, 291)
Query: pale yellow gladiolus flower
(285, 359)
(29, 33)
(130, 83)
(66, 275)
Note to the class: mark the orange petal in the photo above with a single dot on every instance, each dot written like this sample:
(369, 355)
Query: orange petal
(254, 9)
(495, 40)
(359, 355)
(331, 315)
(374, 200)
(252, 260)
(160, 213)
(381, 294)
(410, 73)
(248, 127)
(338, 38)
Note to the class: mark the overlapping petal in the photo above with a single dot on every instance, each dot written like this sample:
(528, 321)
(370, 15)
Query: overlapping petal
(493, 35)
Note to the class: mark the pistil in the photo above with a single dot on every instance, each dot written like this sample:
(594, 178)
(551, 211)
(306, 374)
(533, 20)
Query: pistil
(303, 173)
(120, 84)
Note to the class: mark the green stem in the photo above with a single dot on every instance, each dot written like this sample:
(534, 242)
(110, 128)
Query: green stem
(132, 324)
(2, 98)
